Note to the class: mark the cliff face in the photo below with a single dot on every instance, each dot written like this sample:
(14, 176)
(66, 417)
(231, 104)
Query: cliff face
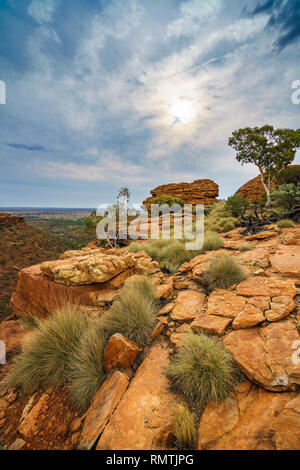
(199, 192)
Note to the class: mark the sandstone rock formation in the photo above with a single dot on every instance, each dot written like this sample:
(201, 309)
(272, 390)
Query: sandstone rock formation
(199, 192)
(143, 419)
(120, 353)
(251, 419)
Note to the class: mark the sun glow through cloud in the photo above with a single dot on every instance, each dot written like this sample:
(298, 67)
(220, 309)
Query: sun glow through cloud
(183, 111)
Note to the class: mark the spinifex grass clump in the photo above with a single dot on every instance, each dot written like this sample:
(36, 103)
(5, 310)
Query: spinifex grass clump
(50, 349)
(185, 428)
(223, 271)
(286, 223)
(133, 313)
(202, 370)
(171, 254)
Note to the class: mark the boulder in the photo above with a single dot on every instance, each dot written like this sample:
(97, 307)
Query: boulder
(203, 191)
(119, 353)
(265, 355)
(102, 408)
(187, 305)
(143, 418)
(290, 236)
(251, 419)
(164, 291)
(211, 324)
(252, 190)
(89, 269)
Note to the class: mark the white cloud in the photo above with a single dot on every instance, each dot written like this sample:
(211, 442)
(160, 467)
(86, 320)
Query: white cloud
(42, 10)
(191, 16)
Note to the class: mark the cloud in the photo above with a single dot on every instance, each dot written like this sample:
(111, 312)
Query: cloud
(42, 10)
(31, 148)
(191, 16)
(285, 18)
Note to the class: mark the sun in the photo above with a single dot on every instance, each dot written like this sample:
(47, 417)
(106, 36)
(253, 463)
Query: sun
(183, 111)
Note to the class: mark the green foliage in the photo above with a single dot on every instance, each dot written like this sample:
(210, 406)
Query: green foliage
(219, 217)
(124, 192)
(287, 195)
(202, 370)
(246, 247)
(168, 200)
(50, 351)
(224, 271)
(285, 223)
(291, 174)
(269, 149)
(237, 204)
(212, 241)
(86, 371)
(133, 313)
(90, 222)
(185, 428)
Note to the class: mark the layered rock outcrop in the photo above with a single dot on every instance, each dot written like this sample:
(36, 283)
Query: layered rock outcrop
(199, 192)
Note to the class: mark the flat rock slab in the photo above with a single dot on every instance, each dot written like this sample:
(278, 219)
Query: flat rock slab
(265, 286)
(187, 305)
(225, 303)
(102, 407)
(290, 236)
(265, 355)
(286, 260)
(143, 418)
(251, 419)
(211, 324)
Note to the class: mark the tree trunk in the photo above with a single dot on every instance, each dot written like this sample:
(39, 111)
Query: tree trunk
(267, 188)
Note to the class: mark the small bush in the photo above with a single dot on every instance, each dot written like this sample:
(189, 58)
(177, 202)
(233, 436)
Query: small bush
(135, 247)
(202, 370)
(237, 204)
(212, 241)
(143, 285)
(285, 223)
(86, 371)
(168, 200)
(133, 313)
(185, 428)
(223, 272)
(66, 348)
(228, 226)
(246, 247)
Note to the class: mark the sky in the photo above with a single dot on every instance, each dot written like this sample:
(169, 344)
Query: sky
(108, 93)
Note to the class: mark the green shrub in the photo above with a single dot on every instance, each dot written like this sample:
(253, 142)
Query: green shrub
(133, 313)
(287, 195)
(285, 223)
(212, 241)
(202, 370)
(170, 254)
(185, 428)
(228, 226)
(86, 371)
(246, 247)
(223, 272)
(50, 350)
(143, 285)
(168, 200)
(237, 204)
(291, 174)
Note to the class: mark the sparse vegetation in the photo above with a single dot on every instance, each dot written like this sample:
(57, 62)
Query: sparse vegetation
(133, 313)
(168, 200)
(237, 204)
(246, 247)
(50, 351)
(185, 428)
(212, 241)
(285, 223)
(223, 272)
(202, 370)
(219, 218)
